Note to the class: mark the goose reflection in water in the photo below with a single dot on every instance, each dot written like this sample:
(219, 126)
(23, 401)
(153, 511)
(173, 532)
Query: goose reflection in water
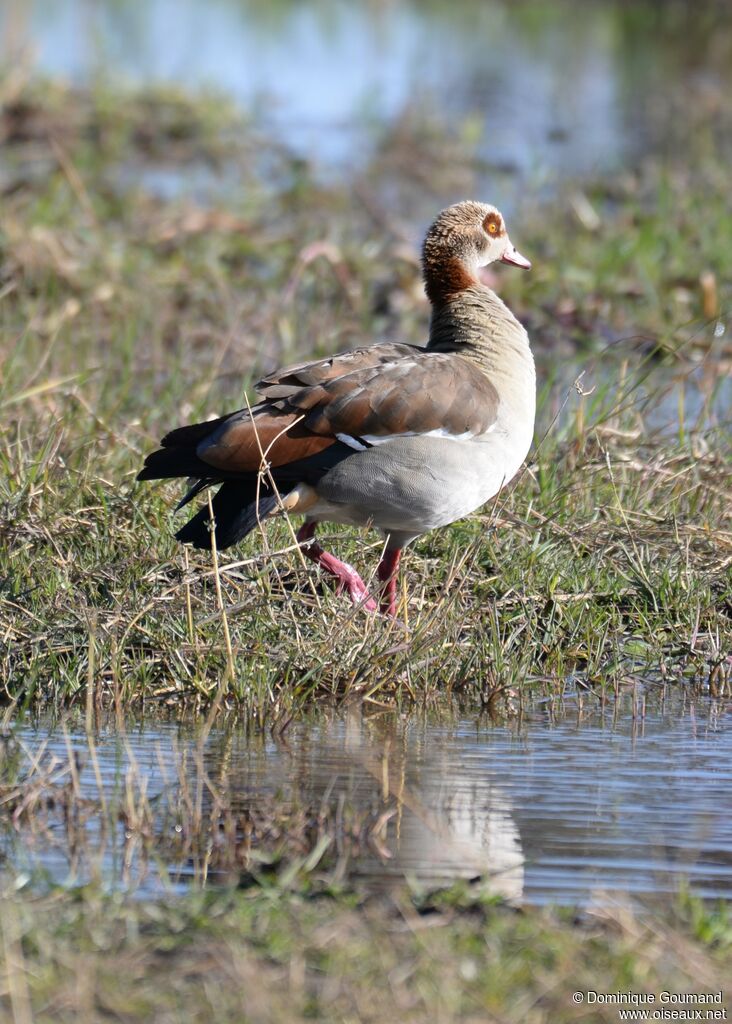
(432, 821)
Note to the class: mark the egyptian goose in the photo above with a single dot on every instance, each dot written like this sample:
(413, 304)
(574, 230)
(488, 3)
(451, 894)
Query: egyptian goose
(394, 436)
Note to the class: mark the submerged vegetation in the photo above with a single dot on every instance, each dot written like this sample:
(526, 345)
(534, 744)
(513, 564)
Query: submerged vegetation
(280, 932)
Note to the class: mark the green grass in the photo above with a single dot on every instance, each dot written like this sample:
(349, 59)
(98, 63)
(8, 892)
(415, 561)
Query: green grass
(267, 955)
(123, 314)
(607, 564)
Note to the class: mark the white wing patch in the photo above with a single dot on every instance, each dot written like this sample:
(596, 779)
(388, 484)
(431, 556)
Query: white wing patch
(352, 442)
(373, 440)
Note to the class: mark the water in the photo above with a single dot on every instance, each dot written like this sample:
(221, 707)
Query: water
(571, 803)
(557, 89)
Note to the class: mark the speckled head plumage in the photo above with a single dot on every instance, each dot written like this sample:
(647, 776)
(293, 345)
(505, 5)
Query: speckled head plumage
(463, 238)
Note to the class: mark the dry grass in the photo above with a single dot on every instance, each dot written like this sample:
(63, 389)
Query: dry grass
(608, 563)
(123, 314)
(250, 956)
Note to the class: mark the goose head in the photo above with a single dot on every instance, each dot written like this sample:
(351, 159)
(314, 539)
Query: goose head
(464, 238)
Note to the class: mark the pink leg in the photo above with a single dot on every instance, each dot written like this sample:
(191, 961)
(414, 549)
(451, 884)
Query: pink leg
(388, 573)
(346, 575)
(307, 530)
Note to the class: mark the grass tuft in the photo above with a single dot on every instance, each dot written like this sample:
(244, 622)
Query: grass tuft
(125, 312)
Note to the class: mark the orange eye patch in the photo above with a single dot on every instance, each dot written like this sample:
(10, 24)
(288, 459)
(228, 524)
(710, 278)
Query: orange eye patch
(492, 225)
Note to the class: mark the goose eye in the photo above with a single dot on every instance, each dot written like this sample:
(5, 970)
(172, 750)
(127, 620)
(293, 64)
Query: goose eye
(492, 225)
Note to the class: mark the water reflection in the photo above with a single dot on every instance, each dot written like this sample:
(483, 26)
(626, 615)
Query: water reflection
(569, 802)
(437, 822)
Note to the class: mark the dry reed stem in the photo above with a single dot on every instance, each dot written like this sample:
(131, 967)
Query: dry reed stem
(230, 675)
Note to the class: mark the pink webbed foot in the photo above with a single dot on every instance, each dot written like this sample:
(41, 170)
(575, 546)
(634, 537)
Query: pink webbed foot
(346, 576)
(348, 579)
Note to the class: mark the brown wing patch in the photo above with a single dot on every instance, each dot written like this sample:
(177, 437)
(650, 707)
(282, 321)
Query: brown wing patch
(244, 441)
(428, 391)
(292, 378)
(379, 392)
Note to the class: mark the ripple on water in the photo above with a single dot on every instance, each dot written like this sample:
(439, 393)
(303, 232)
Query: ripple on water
(569, 804)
